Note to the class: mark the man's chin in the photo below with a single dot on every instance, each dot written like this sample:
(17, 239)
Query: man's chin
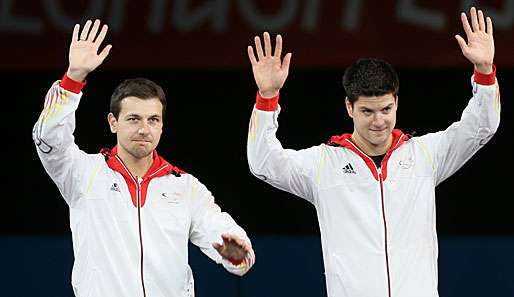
(378, 141)
(140, 153)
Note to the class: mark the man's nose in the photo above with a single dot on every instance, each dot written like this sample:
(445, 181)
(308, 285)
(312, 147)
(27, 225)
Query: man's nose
(378, 119)
(143, 129)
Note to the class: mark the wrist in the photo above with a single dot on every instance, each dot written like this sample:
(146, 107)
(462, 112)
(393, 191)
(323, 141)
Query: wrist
(484, 68)
(268, 93)
(483, 78)
(76, 74)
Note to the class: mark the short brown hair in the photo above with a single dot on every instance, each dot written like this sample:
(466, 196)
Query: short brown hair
(370, 77)
(141, 88)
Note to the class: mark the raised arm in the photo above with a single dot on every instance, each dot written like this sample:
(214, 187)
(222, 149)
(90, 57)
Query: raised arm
(286, 169)
(53, 132)
(448, 150)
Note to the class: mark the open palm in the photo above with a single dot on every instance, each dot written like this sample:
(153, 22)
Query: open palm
(269, 70)
(479, 48)
(83, 55)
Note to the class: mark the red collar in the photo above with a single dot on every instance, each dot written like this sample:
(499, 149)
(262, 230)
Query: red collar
(345, 140)
(159, 167)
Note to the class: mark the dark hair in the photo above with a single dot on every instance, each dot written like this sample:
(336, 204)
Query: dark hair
(370, 77)
(141, 88)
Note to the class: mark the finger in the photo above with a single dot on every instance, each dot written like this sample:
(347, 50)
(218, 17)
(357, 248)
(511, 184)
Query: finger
(474, 19)
(218, 247)
(101, 35)
(465, 24)
(286, 62)
(489, 26)
(85, 30)
(251, 55)
(75, 34)
(461, 42)
(258, 48)
(481, 21)
(226, 238)
(94, 30)
(105, 52)
(267, 44)
(278, 46)
(238, 241)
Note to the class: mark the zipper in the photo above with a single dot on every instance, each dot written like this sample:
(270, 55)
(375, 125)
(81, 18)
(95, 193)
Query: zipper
(379, 170)
(382, 199)
(138, 196)
(137, 181)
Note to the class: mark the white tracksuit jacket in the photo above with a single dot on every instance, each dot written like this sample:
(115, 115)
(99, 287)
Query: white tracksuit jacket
(378, 227)
(130, 234)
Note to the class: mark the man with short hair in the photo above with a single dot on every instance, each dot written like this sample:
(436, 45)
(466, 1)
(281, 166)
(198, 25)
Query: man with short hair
(132, 213)
(374, 189)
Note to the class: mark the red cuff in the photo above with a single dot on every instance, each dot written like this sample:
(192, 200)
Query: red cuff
(72, 85)
(485, 79)
(236, 262)
(266, 104)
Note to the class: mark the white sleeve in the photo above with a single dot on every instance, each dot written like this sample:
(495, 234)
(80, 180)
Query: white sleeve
(450, 149)
(209, 223)
(53, 136)
(285, 169)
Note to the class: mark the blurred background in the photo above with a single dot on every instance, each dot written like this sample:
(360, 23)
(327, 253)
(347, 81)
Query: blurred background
(196, 50)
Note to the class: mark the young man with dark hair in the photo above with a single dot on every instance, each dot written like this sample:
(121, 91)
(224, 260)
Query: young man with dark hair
(132, 213)
(374, 189)
(370, 77)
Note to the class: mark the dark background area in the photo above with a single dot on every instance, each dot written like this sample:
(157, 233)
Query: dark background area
(205, 134)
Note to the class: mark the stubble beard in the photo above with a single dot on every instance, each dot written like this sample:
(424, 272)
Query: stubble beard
(140, 152)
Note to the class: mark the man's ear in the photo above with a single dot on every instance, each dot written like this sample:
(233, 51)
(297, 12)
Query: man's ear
(113, 122)
(349, 107)
(397, 100)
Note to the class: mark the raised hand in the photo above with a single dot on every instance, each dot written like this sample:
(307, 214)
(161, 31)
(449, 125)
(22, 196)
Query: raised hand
(84, 56)
(479, 49)
(233, 248)
(269, 69)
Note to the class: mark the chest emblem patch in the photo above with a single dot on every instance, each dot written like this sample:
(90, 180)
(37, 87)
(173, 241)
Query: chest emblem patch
(406, 164)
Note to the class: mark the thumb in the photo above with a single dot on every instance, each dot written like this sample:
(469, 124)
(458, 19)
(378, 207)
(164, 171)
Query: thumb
(105, 52)
(462, 43)
(217, 247)
(286, 62)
